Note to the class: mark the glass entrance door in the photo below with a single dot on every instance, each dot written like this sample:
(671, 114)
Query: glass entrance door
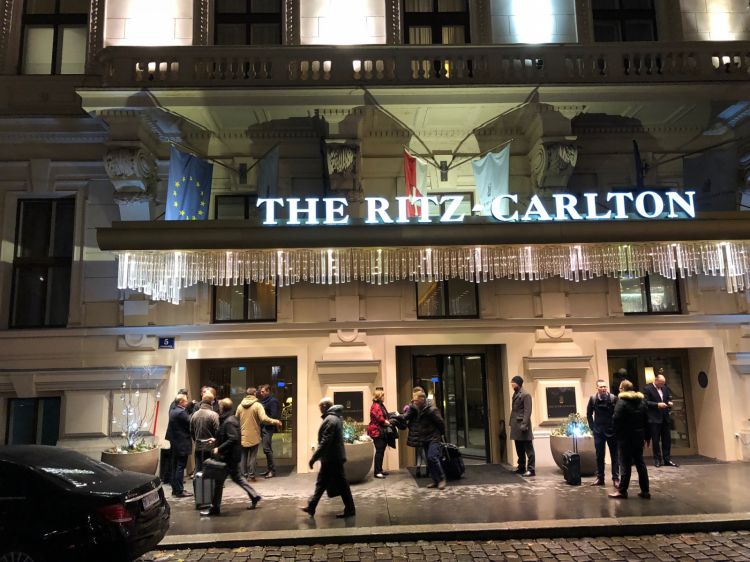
(457, 385)
(231, 378)
(639, 367)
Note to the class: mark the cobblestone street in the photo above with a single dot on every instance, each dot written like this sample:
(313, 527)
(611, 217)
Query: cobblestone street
(727, 546)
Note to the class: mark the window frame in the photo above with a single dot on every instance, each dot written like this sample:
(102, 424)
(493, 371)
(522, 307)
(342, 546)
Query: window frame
(248, 18)
(246, 306)
(37, 405)
(649, 306)
(436, 20)
(57, 22)
(48, 262)
(248, 199)
(624, 15)
(446, 302)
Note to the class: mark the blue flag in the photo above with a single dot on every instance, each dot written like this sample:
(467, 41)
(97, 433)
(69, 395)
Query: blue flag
(189, 189)
(492, 173)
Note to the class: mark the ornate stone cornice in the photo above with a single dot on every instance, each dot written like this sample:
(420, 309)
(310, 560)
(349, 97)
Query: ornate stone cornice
(130, 168)
(552, 163)
(52, 138)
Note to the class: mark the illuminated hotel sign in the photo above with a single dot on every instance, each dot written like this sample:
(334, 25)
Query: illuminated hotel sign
(504, 208)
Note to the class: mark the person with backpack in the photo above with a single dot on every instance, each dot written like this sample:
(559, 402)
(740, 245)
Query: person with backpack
(600, 412)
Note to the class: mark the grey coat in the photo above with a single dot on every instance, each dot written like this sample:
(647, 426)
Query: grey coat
(520, 416)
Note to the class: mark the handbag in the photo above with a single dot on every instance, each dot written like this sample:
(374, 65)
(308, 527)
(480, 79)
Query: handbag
(214, 470)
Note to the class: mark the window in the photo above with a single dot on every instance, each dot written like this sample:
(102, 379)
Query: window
(41, 263)
(652, 294)
(436, 22)
(624, 20)
(33, 421)
(251, 302)
(54, 36)
(454, 298)
(248, 22)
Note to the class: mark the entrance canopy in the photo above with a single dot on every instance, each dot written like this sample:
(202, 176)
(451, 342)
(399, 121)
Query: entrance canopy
(162, 258)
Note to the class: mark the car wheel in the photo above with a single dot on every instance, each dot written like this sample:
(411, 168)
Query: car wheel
(19, 554)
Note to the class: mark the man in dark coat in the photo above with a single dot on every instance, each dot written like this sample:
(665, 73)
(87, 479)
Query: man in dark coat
(229, 450)
(659, 401)
(204, 427)
(430, 427)
(273, 410)
(632, 431)
(181, 444)
(520, 428)
(600, 412)
(332, 456)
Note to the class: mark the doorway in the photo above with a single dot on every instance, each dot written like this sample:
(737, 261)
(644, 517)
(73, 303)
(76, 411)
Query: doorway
(639, 367)
(457, 384)
(232, 377)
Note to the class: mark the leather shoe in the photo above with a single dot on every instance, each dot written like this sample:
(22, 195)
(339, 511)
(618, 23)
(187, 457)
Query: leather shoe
(528, 474)
(306, 509)
(597, 482)
(619, 495)
(269, 474)
(519, 470)
(184, 494)
(644, 495)
(657, 464)
(670, 463)
(441, 485)
(432, 485)
(345, 514)
(208, 512)
(254, 501)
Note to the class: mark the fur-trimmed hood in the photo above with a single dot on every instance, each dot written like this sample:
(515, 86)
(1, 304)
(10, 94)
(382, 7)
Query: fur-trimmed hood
(630, 395)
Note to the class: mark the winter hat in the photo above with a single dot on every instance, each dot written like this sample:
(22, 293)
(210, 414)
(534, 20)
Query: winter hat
(518, 380)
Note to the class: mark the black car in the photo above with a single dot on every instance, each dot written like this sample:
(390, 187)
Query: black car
(57, 504)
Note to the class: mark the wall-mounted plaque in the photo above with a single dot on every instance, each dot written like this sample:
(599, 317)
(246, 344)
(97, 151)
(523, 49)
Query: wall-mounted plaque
(352, 403)
(561, 401)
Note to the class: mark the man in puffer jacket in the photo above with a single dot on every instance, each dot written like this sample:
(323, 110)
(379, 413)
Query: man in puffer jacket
(632, 431)
(252, 415)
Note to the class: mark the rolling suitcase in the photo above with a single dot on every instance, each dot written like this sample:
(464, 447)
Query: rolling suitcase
(203, 490)
(452, 461)
(572, 465)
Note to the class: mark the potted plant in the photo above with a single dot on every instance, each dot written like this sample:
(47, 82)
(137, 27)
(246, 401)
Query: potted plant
(359, 451)
(561, 440)
(135, 415)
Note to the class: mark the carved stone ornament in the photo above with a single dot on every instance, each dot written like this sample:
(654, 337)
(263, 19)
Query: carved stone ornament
(552, 164)
(343, 164)
(130, 168)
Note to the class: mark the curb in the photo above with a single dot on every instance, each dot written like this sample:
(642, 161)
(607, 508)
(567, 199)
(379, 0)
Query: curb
(572, 528)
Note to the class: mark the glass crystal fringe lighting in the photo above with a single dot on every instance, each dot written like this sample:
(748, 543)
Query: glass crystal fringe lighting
(163, 274)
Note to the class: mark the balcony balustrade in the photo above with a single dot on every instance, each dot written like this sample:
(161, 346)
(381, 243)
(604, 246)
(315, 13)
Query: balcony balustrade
(622, 63)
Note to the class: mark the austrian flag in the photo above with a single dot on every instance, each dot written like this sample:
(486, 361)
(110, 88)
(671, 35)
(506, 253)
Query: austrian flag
(415, 179)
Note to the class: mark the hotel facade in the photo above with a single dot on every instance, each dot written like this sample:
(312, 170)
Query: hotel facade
(620, 248)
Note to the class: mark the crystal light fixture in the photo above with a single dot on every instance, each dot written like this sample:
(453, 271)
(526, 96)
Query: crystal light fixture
(163, 274)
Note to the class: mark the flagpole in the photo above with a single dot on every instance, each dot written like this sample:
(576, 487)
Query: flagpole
(502, 144)
(197, 155)
(259, 160)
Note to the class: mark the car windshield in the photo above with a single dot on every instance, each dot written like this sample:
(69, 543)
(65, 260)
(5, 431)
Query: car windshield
(80, 471)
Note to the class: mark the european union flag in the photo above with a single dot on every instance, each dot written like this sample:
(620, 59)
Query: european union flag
(189, 189)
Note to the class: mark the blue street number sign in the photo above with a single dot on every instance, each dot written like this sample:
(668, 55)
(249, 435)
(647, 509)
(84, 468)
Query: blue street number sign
(166, 343)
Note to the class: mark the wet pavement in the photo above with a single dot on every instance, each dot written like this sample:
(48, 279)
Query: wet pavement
(695, 493)
(727, 546)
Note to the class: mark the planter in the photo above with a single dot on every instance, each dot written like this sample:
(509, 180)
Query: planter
(359, 458)
(144, 461)
(559, 444)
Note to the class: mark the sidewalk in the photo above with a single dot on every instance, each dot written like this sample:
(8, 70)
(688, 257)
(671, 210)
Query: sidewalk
(702, 497)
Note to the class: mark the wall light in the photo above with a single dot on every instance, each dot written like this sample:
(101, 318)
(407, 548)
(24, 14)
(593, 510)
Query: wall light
(649, 372)
(534, 20)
